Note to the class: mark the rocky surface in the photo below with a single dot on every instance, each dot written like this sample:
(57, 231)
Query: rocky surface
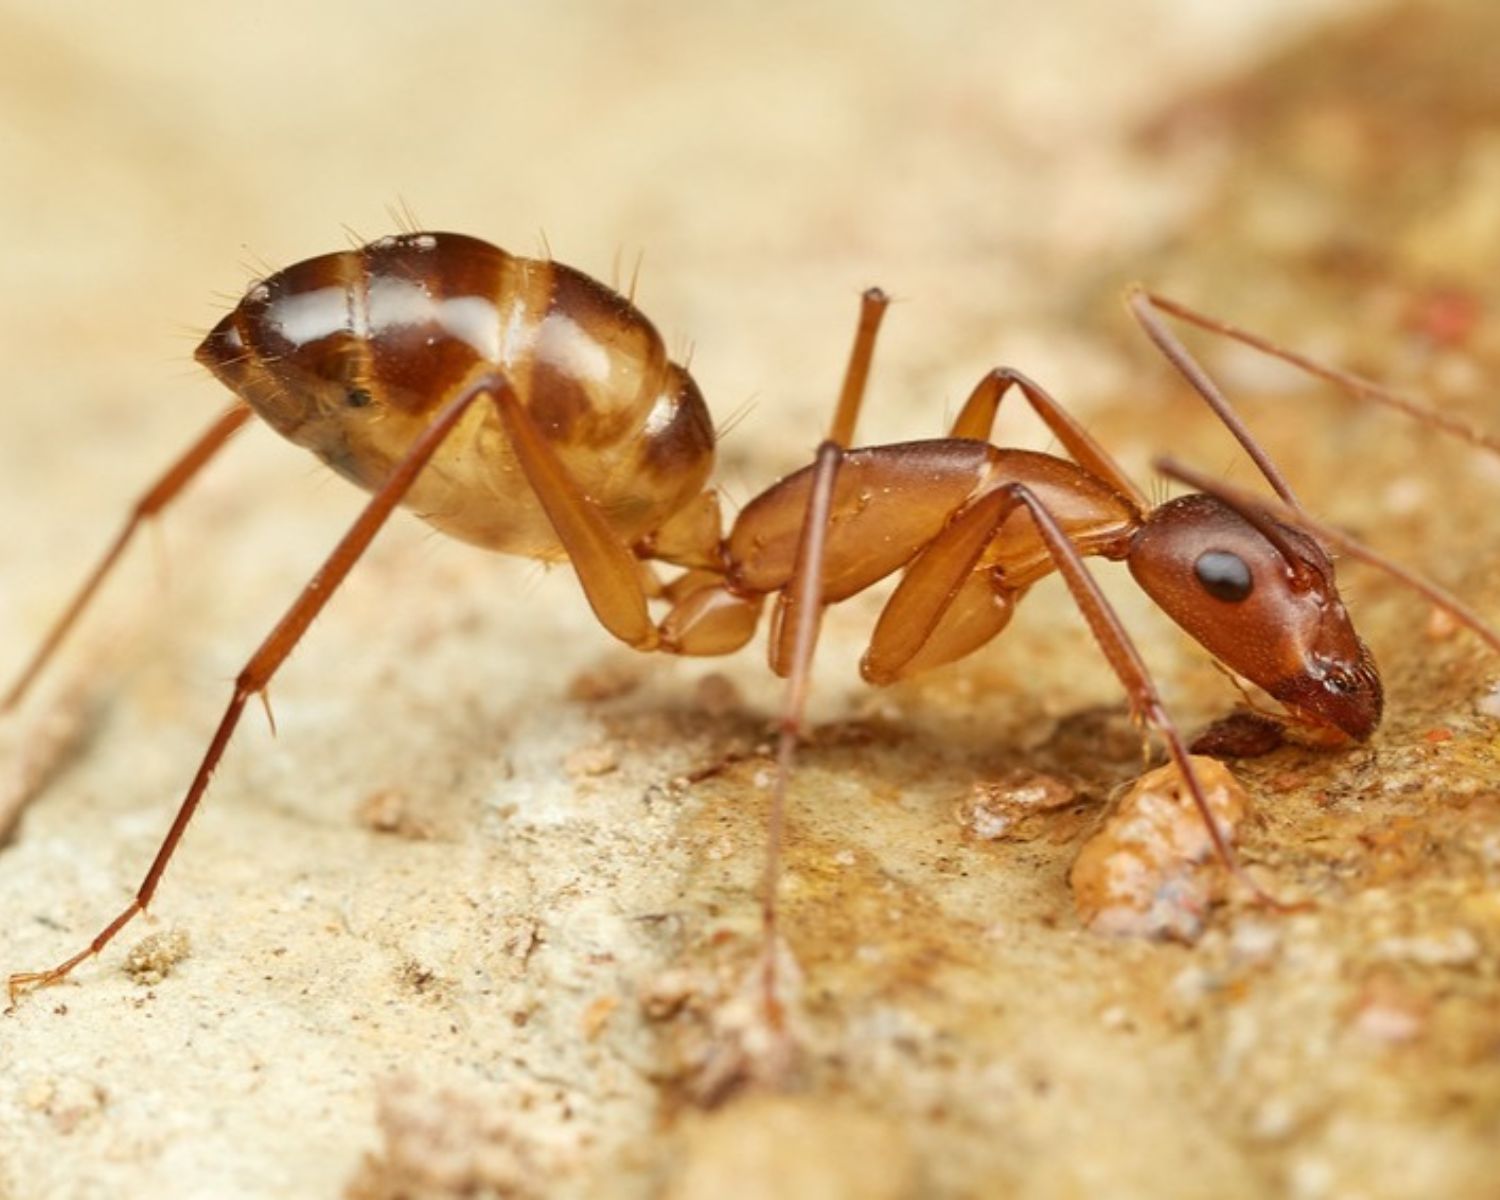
(479, 920)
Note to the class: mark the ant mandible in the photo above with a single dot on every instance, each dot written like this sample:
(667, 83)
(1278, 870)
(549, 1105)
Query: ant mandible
(556, 426)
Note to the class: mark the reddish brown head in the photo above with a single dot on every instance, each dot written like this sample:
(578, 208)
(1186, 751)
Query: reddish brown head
(1260, 597)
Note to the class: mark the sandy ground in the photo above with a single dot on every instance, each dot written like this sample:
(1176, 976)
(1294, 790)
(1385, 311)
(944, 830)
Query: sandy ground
(469, 926)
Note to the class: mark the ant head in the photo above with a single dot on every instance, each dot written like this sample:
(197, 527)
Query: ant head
(1260, 597)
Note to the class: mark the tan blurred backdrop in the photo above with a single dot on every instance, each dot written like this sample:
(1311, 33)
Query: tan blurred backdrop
(365, 1012)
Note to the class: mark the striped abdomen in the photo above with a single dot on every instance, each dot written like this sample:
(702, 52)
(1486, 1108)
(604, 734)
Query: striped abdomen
(352, 354)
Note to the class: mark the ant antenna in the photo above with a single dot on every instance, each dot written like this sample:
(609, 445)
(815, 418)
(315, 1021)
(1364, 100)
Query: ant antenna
(1143, 306)
(1356, 386)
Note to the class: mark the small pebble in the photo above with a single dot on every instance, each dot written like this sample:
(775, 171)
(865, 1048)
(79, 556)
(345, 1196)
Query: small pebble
(994, 810)
(1274, 1120)
(152, 958)
(1255, 943)
(390, 810)
(717, 696)
(1151, 871)
(607, 682)
(592, 761)
(1453, 948)
(1383, 1022)
(1116, 1016)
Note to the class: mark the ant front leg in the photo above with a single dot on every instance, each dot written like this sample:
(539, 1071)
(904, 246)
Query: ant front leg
(156, 498)
(939, 579)
(1145, 701)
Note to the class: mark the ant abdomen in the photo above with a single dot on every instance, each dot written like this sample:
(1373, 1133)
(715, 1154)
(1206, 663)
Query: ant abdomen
(351, 355)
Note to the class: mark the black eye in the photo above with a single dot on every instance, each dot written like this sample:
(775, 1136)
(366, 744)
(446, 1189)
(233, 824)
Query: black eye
(1224, 576)
(358, 397)
(1339, 681)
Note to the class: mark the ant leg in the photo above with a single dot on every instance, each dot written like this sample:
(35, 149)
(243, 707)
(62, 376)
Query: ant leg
(802, 615)
(608, 570)
(266, 660)
(977, 420)
(156, 498)
(872, 306)
(1353, 385)
(1143, 306)
(689, 537)
(1130, 669)
(1251, 506)
(935, 578)
(931, 586)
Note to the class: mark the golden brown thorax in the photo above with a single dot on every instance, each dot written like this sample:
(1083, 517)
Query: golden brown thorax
(890, 501)
(352, 354)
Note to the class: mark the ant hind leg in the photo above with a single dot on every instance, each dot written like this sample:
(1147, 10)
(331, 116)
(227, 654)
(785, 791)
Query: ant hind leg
(152, 501)
(268, 658)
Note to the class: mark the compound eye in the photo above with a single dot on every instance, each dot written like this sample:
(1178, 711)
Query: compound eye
(1224, 575)
(1340, 681)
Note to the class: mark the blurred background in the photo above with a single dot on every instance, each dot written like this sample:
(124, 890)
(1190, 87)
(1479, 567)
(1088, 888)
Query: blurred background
(1325, 171)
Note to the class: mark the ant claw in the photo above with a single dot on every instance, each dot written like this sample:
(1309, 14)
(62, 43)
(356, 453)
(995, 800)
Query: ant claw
(1275, 903)
(20, 984)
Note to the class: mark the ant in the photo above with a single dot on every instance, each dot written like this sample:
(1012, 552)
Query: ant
(520, 405)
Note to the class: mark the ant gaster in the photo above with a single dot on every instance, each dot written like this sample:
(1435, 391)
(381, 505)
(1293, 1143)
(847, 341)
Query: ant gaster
(522, 406)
